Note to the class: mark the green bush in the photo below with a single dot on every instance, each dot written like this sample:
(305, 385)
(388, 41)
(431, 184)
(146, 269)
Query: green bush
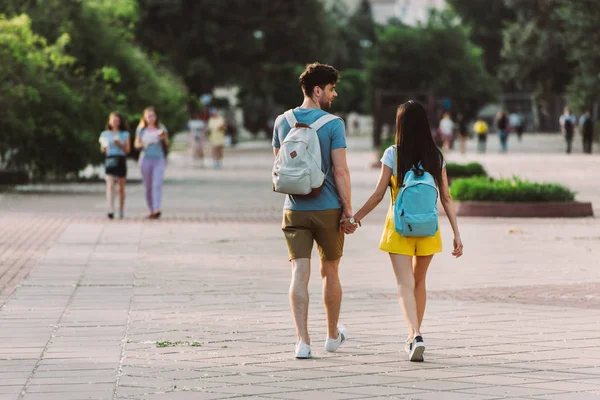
(455, 170)
(508, 190)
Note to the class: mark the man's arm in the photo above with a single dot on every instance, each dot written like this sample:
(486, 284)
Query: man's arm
(275, 151)
(341, 176)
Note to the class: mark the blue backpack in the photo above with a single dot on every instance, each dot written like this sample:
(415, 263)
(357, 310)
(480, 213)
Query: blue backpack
(416, 208)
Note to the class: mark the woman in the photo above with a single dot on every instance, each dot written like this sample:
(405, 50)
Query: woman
(116, 144)
(152, 138)
(446, 130)
(411, 256)
(216, 127)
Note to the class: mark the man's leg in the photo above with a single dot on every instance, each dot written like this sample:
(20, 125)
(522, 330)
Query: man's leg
(299, 297)
(332, 295)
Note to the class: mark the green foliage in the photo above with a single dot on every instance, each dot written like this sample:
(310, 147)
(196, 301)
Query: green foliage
(534, 52)
(581, 37)
(486, 20)
(65, 66)
(455, 170)
(437, 56)
(508, 190)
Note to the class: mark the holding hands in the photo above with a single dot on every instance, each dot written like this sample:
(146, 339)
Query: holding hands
(347, 223)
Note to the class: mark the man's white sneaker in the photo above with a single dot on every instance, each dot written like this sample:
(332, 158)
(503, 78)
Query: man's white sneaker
(303, 351)
(417, 349)
(334, 344)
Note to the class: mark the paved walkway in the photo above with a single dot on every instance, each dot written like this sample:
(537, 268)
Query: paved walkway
(195, 306)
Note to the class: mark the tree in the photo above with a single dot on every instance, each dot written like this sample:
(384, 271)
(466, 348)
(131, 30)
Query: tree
(581, 39)
(435, 57)
(30, 80)
(107, 72)
(486, 20)
(534, 52)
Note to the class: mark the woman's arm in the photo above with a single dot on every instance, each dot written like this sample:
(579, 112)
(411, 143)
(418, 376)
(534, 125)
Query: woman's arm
(378, 194)
(448, 205)
(138, 142)
(127, 147)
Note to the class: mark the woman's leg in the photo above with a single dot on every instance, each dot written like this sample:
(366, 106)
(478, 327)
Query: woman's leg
(463, 144)
(420, 266)
(146, 167)
(122, 195)
(158, 174)
(405, 279)
(110, 193)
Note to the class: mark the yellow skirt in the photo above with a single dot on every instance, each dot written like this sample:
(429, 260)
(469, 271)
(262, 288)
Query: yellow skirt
(395, 243)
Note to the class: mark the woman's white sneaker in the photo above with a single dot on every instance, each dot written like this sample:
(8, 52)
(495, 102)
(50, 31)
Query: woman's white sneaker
(303, 351)
(417, 349)
(334, 344)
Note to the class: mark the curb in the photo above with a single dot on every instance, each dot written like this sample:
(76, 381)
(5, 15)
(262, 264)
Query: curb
(572, 209)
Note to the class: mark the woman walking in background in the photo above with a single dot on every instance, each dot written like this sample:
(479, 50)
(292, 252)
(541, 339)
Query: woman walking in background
(116, 144)
(216, 127)
(152, 138)
(446, 130)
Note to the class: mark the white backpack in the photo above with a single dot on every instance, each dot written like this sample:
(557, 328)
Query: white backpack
(297, 169)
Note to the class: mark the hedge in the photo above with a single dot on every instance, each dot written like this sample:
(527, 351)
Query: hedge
(508, 190)
(455, 170)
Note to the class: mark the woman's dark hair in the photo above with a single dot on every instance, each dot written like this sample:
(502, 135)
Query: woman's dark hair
(414, 142)
(122, 123)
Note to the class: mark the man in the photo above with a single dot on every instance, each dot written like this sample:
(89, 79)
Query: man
(317, 219)
(586, 124)
(516, 123)
(567, 127)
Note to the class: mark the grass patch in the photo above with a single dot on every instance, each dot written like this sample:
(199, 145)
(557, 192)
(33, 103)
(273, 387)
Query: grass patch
(166, 343)
(512, 190)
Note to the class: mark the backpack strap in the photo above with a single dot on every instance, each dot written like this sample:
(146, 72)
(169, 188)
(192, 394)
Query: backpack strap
(290, 117)
(318, 124)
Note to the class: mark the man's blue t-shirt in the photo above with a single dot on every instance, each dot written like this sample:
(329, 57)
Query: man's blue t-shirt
(331, 136)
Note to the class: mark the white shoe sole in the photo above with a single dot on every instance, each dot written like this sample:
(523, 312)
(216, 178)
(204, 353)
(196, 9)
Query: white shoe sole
(304, 357)
(417, 353)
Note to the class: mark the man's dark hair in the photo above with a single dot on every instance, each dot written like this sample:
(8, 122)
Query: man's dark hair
(317, 74)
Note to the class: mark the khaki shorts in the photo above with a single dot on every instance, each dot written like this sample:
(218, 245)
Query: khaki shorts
(301, 228)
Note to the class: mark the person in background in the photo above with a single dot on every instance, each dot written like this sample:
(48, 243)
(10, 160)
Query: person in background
(586, 125)
(516, 123)
(481, 130)
(446, 130)
(216, 127)
(502, 127)
(197, 128)
(463, 132)
(153, 139)
(116, 144)
(567, 127)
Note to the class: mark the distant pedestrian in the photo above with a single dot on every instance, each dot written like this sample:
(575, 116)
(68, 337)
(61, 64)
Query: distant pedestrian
(481, 130)
(446, 130)
(197, 127)
(502, 127)
(586, 124)
(116, 144)
(516, 123)
(216, 127)
(153, 139)
(567, 126)
(463, 132)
